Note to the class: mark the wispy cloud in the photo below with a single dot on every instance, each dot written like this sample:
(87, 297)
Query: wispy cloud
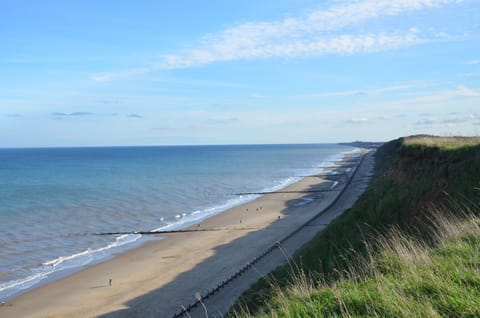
(221, 121)
(340, 93)
(343, 45)
(449, 119)
(472, 62)
(467, 92)
(458, 119)
(14, 115)
(134, 116)
(357, 120)
(430, 101)
(472, 74)
(426, 122)
(196, 82)
(74, 114)
(308, 35)
(371, 119)
(108, 101)
(375, 90)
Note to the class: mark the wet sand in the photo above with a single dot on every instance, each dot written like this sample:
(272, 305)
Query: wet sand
(155, 279)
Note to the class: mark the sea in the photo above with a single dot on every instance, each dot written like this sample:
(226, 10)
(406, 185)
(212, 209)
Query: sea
(53, 199)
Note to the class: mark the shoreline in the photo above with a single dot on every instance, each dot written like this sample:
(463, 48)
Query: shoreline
(40, 277)
(253, 224)
(280, 254)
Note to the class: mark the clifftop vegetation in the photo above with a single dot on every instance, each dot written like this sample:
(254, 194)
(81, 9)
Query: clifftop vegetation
(410, 246)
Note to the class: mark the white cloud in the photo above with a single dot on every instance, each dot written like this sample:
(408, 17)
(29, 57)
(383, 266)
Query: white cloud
(294, 37)
(74, 114)
(459, 97)
(342, 45)
(371, 118)
(426, 122)
(467, 92)
(449, 120)
(459, 118)
(357, 120)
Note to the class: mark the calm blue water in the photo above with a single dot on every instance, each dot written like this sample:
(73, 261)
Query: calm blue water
(50, 198)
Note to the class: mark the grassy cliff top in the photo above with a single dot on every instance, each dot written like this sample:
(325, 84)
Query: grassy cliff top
(417, 179)
(401, 277)
(442, 143)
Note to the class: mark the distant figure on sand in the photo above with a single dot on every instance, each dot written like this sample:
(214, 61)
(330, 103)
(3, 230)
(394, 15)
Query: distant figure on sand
(110, 282)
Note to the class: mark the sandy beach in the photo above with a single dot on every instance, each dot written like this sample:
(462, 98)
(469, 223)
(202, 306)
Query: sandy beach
(155, 279)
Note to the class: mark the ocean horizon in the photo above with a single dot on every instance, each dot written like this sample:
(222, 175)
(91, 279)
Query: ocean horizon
(52, 199)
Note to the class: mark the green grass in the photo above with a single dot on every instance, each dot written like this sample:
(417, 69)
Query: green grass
(400, 277)
(414, 179)
(443, 143)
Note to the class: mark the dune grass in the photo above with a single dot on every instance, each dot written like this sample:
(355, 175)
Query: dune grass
(399, 277)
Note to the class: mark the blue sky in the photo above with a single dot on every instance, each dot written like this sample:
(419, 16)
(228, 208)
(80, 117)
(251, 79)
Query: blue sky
(96, 73)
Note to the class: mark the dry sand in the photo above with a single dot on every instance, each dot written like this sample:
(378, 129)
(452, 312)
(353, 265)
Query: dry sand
(156, 278)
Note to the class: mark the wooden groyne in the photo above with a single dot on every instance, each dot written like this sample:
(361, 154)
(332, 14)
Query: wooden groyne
(199, 229)
(280, 192)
